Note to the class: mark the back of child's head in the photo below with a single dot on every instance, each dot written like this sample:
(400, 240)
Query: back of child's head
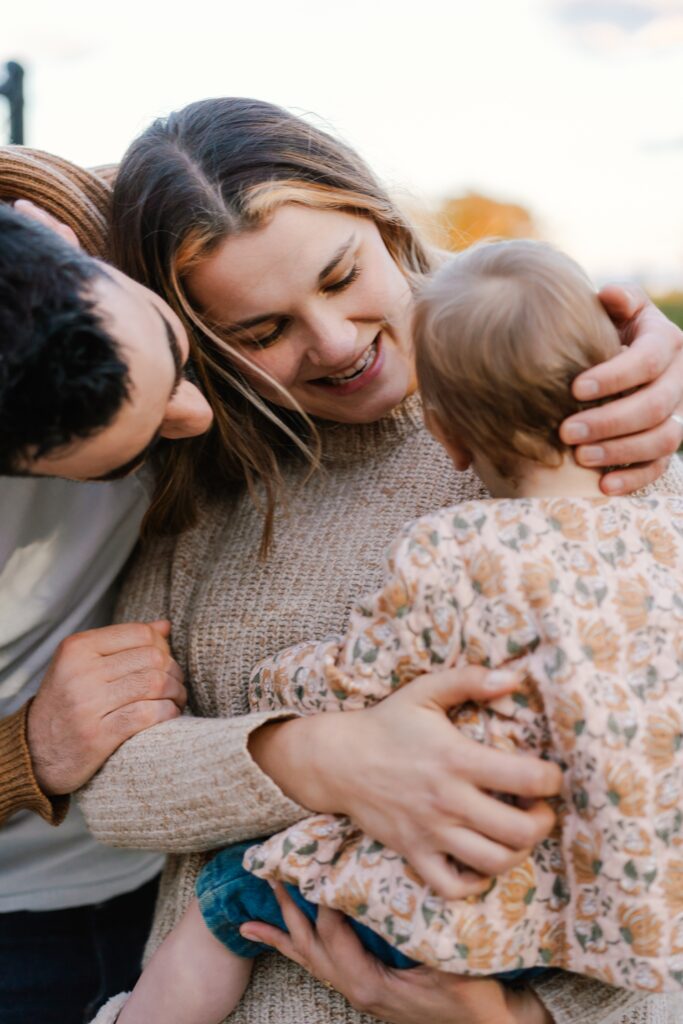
(501, 331)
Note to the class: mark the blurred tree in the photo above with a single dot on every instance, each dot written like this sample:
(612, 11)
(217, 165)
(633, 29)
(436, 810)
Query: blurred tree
(468, 219)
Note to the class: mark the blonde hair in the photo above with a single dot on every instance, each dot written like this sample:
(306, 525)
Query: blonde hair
(214, 169)
(501, 331)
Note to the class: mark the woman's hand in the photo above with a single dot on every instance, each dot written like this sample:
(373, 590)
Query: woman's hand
(407, 777)
(636, 431)
(331, 951)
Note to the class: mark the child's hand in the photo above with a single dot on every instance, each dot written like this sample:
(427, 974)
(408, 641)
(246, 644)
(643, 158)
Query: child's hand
(636, 431)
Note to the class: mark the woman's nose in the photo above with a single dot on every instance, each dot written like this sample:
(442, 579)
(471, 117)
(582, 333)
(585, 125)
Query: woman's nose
(332, 343)
(187, 414)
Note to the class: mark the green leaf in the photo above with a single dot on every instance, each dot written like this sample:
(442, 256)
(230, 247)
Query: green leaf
(630, 870)
(309, 849)
(627, 935)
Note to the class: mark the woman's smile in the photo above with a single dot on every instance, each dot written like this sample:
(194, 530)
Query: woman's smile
(363, 371)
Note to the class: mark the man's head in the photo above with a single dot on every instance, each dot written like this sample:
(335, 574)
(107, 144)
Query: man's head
(91, 363)
(501, 331)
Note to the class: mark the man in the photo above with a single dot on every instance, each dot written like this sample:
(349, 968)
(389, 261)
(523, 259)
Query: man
(91, 373)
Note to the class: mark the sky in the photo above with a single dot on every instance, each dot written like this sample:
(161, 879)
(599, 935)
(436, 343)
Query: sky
(572, 108)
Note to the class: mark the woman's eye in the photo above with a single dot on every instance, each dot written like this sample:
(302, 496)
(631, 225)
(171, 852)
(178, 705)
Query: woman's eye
(253, 340)
(339, 286)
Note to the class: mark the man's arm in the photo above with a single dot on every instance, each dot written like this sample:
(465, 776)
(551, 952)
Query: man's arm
(19, 789)
(101, 687)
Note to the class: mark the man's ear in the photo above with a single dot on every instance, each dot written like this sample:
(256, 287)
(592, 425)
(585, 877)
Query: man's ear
(460, 455)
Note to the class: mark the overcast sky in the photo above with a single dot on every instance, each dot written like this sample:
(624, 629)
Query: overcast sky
(573, 108)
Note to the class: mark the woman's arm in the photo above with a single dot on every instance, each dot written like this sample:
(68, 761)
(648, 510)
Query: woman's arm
(636, 432)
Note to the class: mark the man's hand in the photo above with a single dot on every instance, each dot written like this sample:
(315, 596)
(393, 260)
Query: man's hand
(635, 432)
(41, 216)
(101, 687)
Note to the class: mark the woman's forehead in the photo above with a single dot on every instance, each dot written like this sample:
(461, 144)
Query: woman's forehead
(273, 263)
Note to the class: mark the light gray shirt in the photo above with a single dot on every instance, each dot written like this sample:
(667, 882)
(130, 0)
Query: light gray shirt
(62, 546)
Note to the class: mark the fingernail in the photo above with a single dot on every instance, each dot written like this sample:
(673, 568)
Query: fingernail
(247, 933)
(614, 484)
(585, 389)
(501, 677)
(593, 453)
(576, 432)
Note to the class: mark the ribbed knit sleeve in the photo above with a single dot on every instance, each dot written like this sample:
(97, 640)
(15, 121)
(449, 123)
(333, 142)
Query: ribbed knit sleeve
(19, 789)
(576, 999)
(185, 786)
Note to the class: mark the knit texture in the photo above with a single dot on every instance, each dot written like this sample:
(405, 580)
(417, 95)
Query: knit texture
(190, 784)
(20, 790)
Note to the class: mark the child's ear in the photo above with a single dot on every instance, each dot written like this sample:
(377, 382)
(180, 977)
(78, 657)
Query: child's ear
(461, 456)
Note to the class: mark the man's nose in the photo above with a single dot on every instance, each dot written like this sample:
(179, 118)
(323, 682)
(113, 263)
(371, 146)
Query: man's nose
(187, 414)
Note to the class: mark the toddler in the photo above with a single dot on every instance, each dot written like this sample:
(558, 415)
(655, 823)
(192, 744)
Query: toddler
(583, 592)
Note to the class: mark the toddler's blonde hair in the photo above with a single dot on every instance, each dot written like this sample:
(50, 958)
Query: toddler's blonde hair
(501, 331)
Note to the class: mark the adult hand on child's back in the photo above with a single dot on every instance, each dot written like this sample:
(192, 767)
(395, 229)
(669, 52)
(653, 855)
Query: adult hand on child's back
(439, 807)
(636, 431)
(332, 952)
(407, 777)
(101, 687)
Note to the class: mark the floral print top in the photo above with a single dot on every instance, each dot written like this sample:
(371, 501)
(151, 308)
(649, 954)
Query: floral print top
(588, 594)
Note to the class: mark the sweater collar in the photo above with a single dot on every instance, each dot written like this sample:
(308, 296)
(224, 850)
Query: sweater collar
(354, 442)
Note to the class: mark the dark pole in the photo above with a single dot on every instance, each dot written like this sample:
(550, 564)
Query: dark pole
(13, 89)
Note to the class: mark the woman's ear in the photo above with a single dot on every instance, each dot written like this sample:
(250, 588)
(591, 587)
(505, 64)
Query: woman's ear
(460, 455)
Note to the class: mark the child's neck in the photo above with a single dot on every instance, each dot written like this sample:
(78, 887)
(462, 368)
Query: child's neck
(569, 480)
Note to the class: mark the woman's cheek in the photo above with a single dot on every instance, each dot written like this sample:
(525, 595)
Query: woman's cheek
(277, 369)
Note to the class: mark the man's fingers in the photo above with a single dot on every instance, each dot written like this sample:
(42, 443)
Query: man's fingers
(622, 302)
(151, 684)
(645, 447)
(132, 718)
(640, 364)
(114, 639)
(455, 686)
(162, 627)
(626, 481)
(643, 410)
(138, 659)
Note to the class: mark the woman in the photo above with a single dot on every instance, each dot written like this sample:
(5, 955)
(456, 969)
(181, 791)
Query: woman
(292, 271)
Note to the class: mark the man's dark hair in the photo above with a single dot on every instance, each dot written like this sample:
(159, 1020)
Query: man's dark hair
(62, 377)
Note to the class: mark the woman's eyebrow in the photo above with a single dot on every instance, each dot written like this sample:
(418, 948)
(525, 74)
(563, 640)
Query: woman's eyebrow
(337, 258)
(331, 265)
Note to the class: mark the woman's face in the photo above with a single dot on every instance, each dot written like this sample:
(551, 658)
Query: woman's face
(314, 298)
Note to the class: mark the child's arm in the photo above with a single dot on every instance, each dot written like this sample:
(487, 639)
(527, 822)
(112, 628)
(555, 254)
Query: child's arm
(409, 627)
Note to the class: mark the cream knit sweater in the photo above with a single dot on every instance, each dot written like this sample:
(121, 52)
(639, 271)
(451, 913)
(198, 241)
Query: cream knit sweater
(189, 785)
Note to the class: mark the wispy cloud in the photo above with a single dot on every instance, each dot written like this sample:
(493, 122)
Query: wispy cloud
(618, 25)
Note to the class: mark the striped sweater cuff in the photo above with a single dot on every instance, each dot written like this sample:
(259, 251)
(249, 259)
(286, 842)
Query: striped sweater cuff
(19, 789)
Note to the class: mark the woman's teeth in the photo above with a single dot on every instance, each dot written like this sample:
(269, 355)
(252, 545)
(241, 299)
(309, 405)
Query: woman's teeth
(361, 364)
